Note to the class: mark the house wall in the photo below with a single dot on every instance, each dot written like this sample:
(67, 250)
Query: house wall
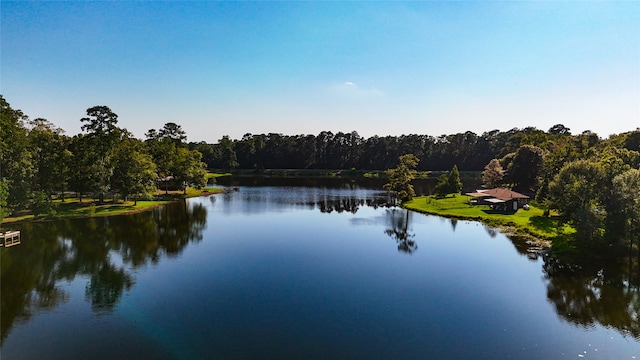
(509, 204)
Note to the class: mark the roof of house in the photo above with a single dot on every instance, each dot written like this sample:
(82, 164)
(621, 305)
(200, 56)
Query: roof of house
(498, 193)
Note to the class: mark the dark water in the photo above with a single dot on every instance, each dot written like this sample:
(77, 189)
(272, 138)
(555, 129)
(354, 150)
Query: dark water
(303, 273)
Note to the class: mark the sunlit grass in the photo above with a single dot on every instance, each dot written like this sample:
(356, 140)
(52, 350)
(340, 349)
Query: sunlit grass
(216, 175)
(89, 207)
(72, 207)
(531, 221)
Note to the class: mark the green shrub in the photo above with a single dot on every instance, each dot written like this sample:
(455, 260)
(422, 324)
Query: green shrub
(42, 204)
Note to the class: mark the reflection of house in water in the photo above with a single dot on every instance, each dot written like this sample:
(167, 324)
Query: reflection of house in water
(499, 199)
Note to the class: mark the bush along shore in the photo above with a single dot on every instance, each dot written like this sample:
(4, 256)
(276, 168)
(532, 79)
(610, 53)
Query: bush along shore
(88, 207)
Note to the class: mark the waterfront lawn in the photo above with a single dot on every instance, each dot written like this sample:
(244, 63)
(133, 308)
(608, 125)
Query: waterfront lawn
(530, 221)
(214, 175)
(73, 208)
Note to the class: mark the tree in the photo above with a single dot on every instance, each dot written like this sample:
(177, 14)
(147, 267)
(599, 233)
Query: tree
(16, 163)
(493, 174)
(227, 153)
(189, 169)
(174, 159)
(174, 132)
(626, 191)
(453, 180)
(103, 135)
(163, 152)
(152, 135)
(632, 142)
(50, 155)
(575, 192)
(449, 183)
(401, 176)
(81, 178)
(562, 151)
(134, 171)
(614, 161)
(442, 187)
(559, 129)
(4, 193)
(42, 204)
(525, 167)
(207, 150)
(100, 120)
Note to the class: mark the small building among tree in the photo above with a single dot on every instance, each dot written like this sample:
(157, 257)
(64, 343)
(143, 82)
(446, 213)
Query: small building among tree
(500, 199)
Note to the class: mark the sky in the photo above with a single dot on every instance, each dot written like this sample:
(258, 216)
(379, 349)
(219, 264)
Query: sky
(302, 67)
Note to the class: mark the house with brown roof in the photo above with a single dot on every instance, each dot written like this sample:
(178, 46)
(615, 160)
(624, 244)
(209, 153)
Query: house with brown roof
(499, 199)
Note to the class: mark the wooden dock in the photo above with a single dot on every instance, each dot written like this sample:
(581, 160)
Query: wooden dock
(10, 238)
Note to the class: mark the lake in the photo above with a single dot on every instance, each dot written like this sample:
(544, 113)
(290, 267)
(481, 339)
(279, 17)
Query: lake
(303, 272)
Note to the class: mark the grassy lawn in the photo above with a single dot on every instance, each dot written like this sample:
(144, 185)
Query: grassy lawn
(530, 221)
(216, 175)
(191, 192)
(72, 207)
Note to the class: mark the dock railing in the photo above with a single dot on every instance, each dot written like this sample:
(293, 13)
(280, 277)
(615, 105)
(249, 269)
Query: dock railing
(10, 238)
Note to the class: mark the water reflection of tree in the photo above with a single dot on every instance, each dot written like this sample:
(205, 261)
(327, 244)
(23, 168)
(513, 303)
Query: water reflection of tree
(525, 246)
(454, 224)
(106, 287)
(101, 249)
(398, 228)
(347, 204)
(177, 226)
(587, 293)
(27, 281)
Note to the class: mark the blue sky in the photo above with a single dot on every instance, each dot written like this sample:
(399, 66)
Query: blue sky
(379, 68)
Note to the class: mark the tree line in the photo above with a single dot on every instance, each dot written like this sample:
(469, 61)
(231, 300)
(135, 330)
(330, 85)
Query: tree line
(327, 150)
(38, 160)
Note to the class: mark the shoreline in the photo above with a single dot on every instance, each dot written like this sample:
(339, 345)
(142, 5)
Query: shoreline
(175, 196)
(503, 229)
(522, 227)
(503, 226)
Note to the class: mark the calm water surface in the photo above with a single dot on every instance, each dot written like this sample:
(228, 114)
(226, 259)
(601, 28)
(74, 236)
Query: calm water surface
(302, 273)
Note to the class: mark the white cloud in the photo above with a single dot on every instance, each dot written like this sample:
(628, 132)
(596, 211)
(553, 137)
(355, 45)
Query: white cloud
(352, 90)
